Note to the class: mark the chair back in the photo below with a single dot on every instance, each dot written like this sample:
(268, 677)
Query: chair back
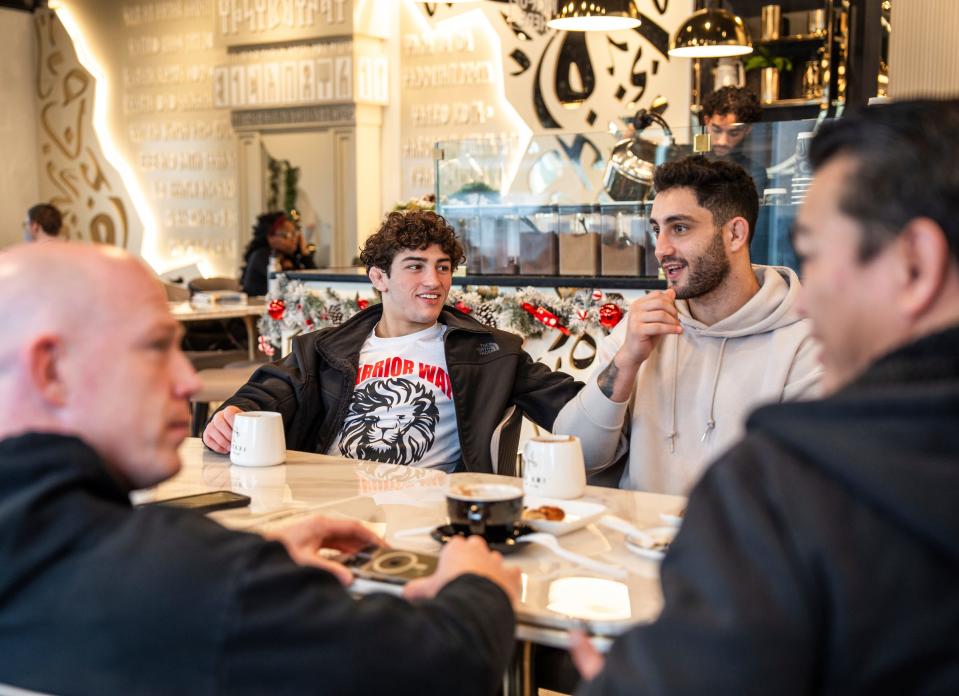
(213, 284)
(504, 445)
(176, 293)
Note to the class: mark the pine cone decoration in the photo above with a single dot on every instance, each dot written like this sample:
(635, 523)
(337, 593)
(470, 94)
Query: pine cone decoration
(486, 314)
(335, 313)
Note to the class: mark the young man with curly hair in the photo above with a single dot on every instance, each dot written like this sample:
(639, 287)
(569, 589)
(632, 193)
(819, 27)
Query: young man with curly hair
(407, 381)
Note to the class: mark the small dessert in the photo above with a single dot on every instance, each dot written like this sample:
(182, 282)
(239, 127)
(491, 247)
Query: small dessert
(550, 513)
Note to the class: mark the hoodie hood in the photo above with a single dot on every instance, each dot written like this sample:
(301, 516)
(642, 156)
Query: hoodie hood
(889, 438)
(771, 308)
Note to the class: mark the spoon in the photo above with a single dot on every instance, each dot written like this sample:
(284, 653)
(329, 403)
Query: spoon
(629, 529)
(549, 541)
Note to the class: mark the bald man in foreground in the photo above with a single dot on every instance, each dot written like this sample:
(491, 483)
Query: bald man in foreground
(96, 597)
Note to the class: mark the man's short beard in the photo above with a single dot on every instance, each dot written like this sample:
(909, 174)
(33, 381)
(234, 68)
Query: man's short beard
(706, 272)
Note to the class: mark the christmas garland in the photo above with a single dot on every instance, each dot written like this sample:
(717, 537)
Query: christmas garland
(293, 309)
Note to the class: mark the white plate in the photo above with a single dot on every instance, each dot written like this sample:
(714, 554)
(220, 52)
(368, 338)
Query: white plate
(665, 534)
(671, 520)
(578, 514)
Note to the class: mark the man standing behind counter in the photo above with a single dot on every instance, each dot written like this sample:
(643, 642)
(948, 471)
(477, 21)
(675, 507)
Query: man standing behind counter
(728, 115)
(679, 376)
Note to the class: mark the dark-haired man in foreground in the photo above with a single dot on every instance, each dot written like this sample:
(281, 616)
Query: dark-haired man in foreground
(409, 380)
(821, 554)
(678, 377)
(99, 598)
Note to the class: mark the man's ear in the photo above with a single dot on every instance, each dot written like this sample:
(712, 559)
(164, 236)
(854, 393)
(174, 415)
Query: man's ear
(738, 231)
(926, 259)
(378, 278)
(44, 356)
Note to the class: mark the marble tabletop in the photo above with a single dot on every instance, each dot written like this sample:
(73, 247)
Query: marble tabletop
(556, 594)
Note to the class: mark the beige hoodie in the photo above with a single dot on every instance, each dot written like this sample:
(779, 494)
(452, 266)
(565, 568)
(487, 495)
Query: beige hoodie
(696, 389)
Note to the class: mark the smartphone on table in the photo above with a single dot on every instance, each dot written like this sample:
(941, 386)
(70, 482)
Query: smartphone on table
(377, 568)
(204, 502)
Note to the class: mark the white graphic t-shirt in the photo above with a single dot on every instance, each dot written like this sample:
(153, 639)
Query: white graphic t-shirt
(402, 407)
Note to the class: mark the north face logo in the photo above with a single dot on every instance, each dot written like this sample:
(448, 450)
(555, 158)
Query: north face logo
(487, 348)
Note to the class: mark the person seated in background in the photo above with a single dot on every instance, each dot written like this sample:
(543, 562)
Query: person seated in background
(728, 115)
(43, 223)
(677, 378)
(408, 380)
(99, 598)
(275, 236)
(821, 554)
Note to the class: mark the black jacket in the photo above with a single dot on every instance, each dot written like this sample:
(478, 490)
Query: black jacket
(489, 371)
(99, 598)
(820, 555)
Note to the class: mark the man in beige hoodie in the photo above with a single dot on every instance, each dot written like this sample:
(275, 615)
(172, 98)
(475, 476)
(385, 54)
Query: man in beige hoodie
(676, 380)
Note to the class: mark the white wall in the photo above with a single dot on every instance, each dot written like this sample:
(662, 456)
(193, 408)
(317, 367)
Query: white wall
(923, 60)
(19, 175)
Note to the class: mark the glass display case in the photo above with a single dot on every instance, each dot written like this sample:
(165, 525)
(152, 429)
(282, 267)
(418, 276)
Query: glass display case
(578, 204)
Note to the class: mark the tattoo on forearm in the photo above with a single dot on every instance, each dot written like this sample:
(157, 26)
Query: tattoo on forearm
(606, 380)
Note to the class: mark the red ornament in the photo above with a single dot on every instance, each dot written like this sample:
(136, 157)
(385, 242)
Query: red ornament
(362, 304)
(545, 317)
(610, 315)
(597, 295)
(276, 309)
(461, 306)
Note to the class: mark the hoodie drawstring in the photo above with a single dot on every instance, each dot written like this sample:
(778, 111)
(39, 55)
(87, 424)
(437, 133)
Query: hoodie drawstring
(710, 421)
(672, 429)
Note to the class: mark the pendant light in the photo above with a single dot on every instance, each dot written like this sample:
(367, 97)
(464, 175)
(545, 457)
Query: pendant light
(595, 15)
(711, 33)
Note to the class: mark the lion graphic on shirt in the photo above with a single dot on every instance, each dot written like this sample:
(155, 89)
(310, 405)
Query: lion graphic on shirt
(390, 421)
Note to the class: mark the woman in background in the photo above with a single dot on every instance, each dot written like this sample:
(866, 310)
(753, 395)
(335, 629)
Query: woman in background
(275, 236)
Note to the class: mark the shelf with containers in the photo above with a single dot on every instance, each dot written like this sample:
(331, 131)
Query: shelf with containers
(812, 36)
(577, 205)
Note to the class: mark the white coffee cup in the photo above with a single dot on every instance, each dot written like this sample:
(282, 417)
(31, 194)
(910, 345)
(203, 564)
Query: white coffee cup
(258, 439)
(553, 466)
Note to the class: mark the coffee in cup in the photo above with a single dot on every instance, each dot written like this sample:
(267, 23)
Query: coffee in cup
(490, 510)
(258, 439)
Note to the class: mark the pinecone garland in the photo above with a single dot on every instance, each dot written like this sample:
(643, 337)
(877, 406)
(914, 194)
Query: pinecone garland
(335, 312)
(486, 313)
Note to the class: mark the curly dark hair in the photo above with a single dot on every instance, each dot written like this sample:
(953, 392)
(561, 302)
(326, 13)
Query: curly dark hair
(733, 100)
(264, 224)
(413, 229)
(722, 187)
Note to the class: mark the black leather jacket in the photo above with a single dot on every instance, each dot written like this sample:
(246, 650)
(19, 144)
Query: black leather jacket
(488, 368)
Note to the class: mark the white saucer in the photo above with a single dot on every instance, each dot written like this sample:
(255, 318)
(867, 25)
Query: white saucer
(664, 534)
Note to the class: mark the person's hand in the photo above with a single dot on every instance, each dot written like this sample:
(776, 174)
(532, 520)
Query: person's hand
(650, 318)
(588, 660)
(304, 540)
(462, 556)
(219, 431)
(302, 246)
